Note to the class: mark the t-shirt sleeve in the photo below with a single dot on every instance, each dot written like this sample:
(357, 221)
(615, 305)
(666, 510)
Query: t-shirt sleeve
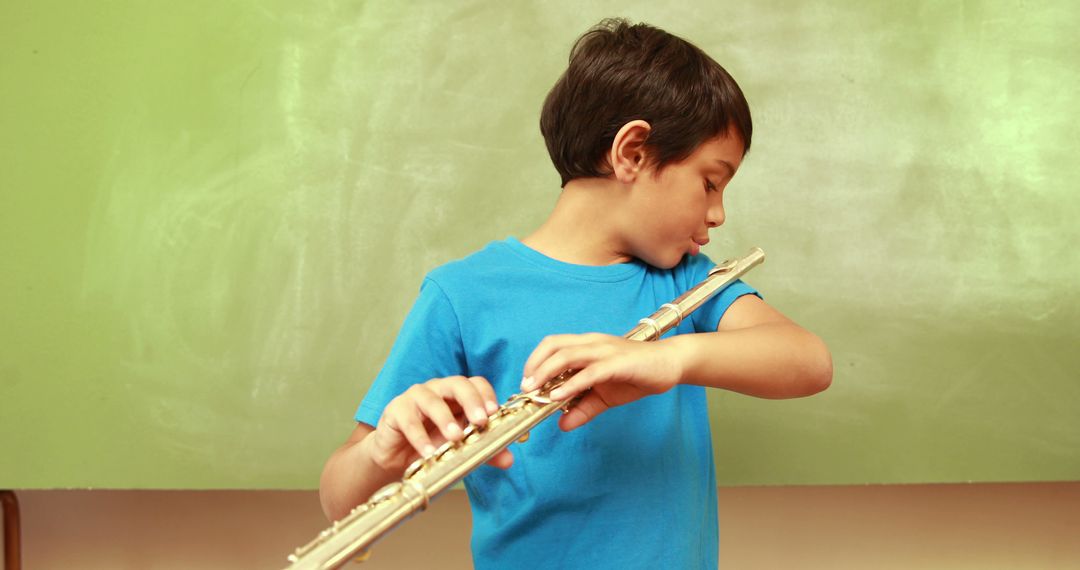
(427, 346)
(707, 317)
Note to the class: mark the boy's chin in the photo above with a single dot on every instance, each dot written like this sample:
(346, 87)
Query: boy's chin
(668, 261)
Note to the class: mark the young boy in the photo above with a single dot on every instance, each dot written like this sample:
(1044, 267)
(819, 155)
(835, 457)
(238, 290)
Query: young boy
(646, 131)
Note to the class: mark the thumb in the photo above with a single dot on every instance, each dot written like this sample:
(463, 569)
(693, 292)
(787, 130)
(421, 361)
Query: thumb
(503, 459)
(587, 408)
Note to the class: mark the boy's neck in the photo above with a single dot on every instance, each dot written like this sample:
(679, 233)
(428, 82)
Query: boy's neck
(583, 227)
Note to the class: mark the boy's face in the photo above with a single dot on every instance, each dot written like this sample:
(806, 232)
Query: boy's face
(672, 213)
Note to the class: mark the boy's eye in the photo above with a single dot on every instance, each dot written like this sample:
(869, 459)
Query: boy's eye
(709, 187)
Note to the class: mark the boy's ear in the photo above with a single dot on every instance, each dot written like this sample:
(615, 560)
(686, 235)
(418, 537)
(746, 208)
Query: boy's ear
(628, 151)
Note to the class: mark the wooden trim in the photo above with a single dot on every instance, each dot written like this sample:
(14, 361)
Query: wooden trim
(12, 554)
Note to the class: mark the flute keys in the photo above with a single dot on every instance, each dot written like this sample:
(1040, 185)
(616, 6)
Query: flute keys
(471, 434)
(445, 447)
(415, 466)
(385, 492)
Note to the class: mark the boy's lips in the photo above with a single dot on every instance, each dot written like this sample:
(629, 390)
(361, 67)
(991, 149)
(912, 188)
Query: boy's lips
(696, 244)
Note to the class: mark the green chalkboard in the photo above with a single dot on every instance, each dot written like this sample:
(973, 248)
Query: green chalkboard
(214, 216)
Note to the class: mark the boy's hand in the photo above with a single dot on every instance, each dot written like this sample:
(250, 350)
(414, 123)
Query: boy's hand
(618, 371)
(429, 414)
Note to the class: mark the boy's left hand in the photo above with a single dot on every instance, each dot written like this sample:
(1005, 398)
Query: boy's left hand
(618, 371)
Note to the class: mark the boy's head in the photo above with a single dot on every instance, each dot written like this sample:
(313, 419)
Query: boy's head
(620, 72)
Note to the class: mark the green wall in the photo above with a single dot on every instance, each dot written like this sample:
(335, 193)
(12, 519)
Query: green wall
(214, 216)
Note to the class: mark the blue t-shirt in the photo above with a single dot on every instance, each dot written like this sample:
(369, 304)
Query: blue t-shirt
(635, 487)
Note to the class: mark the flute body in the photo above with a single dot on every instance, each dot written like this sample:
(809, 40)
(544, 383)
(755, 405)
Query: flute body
(426, 478)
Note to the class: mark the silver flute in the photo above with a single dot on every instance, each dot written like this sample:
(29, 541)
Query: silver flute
(352, 536)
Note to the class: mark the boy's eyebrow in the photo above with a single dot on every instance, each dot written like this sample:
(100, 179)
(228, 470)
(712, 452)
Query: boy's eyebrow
(731, 169)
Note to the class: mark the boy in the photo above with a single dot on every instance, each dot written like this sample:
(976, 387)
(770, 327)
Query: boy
(646, 131)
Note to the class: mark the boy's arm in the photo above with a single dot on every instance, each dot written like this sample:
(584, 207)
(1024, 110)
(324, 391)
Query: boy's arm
(756, 350)
(351, 475)
(413, 424)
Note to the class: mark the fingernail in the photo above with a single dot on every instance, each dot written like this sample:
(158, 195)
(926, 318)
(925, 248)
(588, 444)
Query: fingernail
(492, 407)
(556, 394)
(527, 383)
(429, 450)
(454, 429)
(479, 414)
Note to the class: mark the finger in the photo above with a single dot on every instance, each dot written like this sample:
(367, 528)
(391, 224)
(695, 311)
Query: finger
(503, 459)
(388, 434)
(587, 408)
(592, 375)
(410, 424)
(465, 394)
(487, 393)
(434, 407)
(544, 350)
(574, 358)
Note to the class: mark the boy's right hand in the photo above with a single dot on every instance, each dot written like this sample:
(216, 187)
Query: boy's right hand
(427, 415)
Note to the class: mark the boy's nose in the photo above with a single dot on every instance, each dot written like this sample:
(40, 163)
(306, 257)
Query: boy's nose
(715, 216)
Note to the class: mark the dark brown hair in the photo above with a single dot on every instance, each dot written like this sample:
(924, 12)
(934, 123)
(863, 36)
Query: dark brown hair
(619, 72)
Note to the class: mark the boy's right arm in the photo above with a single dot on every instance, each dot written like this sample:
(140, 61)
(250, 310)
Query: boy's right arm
(350, 475)
(373, 457)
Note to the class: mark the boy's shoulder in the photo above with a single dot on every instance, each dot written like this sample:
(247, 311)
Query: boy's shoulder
(497, 258)
(494, 256)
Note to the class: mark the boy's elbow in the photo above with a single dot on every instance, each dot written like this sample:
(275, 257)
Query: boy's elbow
(808, 372)
(329, 509)
(819, 367)
(326, 500)
(331, 497)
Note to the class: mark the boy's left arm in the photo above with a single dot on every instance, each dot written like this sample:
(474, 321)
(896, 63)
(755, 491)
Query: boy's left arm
(756, 350)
